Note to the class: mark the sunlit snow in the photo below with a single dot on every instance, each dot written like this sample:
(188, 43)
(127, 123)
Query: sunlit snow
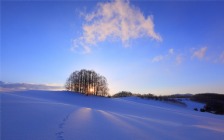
(61, 115)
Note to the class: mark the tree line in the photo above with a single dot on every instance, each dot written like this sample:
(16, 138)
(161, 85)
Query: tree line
(87, 82)
(214, 102)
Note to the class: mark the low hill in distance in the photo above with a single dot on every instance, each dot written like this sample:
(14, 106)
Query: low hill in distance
(214, 103)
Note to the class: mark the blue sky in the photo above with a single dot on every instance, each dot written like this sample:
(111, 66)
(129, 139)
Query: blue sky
(139, 46)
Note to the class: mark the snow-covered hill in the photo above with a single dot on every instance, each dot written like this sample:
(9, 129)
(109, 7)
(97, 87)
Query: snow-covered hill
(61, 115)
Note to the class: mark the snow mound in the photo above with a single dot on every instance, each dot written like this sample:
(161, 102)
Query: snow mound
(62, 115)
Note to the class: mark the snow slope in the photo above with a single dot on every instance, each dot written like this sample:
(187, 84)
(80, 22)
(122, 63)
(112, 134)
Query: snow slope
(61, 115)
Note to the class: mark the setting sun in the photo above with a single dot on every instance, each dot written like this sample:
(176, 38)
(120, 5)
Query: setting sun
(91, 90)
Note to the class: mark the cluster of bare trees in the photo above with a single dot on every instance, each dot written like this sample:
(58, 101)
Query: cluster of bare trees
(87, 82)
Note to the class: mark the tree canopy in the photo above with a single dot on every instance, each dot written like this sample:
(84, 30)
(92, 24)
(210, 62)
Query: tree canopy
(123, 94)
(87, 82)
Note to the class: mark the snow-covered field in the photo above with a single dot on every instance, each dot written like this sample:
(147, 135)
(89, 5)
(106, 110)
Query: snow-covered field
(61, 115)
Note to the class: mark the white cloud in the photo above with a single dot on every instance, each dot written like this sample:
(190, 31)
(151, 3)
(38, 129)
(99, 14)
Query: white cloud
(80, 42)
(171, 51)
(200, 53)
(115, 20)
(158, 58)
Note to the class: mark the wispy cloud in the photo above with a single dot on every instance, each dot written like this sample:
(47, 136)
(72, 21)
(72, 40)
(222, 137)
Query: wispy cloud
(171, 51)
(115, 20)
(179, 59)
(221, 57)
(158, 58)
(26, 86)
(166, 56)
(200, 54)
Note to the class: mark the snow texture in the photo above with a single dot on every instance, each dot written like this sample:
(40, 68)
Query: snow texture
(61, 115)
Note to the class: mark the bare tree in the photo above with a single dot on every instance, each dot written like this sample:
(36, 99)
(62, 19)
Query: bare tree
(87, 82)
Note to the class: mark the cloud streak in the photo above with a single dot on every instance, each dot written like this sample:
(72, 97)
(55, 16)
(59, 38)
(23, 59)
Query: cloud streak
(200, 54)
(158, 58)
(170, 54)
(117, 20)
(221, 57)
(26, 86)
(171, 51)
(179, 59)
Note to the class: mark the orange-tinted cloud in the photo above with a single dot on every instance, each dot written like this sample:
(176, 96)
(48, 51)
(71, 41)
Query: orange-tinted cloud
(117, 20)
(200, 54)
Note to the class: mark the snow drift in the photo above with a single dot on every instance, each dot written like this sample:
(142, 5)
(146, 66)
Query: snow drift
(61, 115)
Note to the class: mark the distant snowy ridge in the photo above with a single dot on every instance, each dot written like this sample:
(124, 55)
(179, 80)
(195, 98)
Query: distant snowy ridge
(4, 86)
